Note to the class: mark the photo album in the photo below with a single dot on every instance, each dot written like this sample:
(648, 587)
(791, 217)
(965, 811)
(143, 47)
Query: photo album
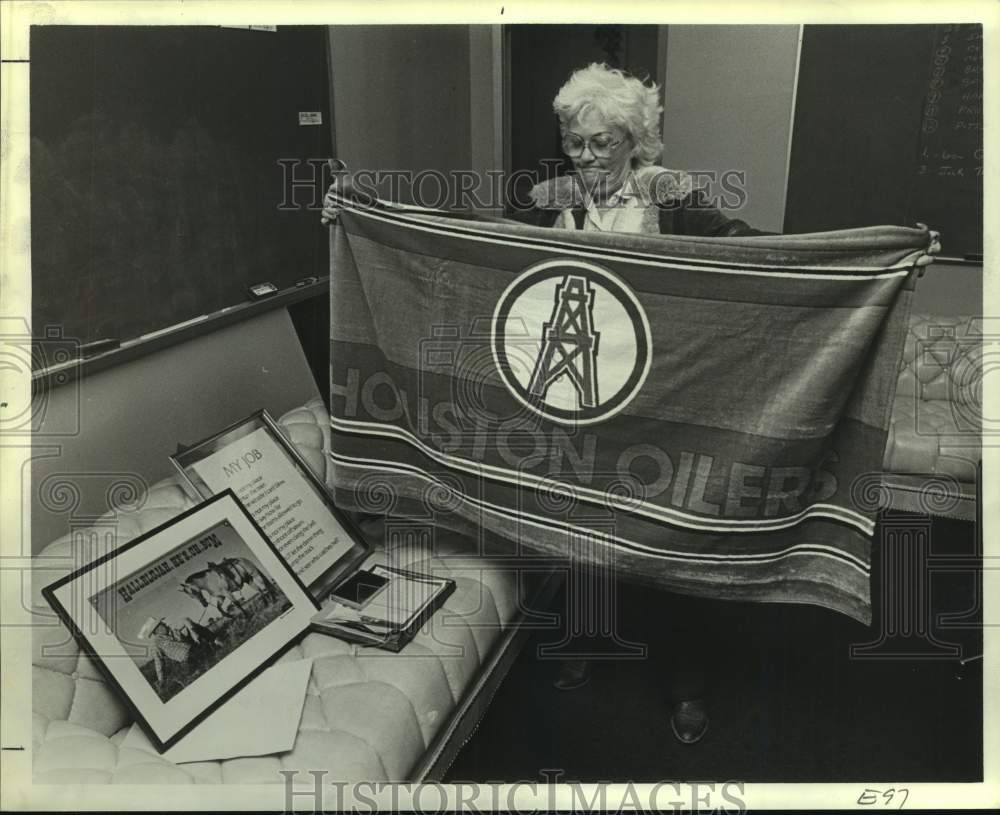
(186, 615)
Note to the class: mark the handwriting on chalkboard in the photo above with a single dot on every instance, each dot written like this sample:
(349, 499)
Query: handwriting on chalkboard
(892, 135)
(948, 176)
(954, 103)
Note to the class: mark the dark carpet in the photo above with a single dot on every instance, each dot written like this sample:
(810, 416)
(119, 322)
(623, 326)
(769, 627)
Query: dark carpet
(788, 702)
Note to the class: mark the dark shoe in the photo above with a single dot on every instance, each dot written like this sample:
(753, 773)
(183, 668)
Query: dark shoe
(689, 720)
(573, 674)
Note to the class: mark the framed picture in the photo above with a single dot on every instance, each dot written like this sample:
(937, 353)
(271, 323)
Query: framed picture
(184, 616)
(253, 458)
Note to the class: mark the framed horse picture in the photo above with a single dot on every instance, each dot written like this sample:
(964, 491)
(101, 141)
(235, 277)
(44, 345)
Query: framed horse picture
(254, 458)
(181, 618)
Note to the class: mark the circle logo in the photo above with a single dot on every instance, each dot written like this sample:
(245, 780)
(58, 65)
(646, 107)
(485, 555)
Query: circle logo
(571, 341)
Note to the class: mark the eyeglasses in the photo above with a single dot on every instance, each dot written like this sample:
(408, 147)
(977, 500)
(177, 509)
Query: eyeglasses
(600, 144)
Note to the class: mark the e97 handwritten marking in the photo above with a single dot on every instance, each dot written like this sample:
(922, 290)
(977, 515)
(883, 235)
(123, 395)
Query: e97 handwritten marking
(884, 798)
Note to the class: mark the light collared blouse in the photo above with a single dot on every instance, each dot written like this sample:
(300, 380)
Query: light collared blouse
(629, 209)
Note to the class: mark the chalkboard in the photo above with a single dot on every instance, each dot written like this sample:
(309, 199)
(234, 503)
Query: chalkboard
(888, 129)
(158, 191)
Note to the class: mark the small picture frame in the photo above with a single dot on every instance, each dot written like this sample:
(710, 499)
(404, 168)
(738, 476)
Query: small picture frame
(254, 458)
(389, 617)
(181, 618)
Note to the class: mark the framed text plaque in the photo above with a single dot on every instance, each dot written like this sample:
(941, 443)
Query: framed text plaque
(254, 458)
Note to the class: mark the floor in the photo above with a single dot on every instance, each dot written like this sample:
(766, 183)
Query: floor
(787, 701)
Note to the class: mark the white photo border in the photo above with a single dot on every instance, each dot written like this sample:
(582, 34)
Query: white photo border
(20, 790)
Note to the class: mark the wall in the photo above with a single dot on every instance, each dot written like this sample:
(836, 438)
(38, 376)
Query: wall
(119, 426)
(729, 94)
(401, 98)
(486, 108)
(417, 97)
(948, 288)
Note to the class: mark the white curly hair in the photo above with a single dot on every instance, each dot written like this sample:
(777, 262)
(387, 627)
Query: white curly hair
(621, 99)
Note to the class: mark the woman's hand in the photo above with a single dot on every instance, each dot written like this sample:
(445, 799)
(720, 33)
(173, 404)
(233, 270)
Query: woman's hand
(933, 248)
(342, 185)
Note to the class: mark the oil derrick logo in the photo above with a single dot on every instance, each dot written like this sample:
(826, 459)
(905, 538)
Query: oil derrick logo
(547, 328)
(569, 346)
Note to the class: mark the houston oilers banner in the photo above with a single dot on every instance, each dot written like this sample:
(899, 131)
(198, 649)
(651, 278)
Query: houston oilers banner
(705, 414)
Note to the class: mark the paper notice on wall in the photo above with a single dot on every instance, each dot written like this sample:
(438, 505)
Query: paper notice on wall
(292, 515)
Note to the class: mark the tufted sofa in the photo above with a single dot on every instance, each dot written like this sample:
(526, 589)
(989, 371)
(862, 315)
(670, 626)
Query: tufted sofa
(369, 715)
(935, 438)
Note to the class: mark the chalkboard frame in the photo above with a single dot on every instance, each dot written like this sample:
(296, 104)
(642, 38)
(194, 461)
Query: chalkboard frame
(77, 368)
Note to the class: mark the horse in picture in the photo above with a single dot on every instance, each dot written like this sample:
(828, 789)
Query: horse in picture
(222, 585)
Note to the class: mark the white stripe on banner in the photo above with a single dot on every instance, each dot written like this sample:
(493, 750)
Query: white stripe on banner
(902, 268)
(604, 499)
(799, 549)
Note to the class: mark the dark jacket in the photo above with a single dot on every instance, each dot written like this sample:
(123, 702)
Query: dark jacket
(683, 211)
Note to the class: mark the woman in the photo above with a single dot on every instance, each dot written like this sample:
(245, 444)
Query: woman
(610, 126)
